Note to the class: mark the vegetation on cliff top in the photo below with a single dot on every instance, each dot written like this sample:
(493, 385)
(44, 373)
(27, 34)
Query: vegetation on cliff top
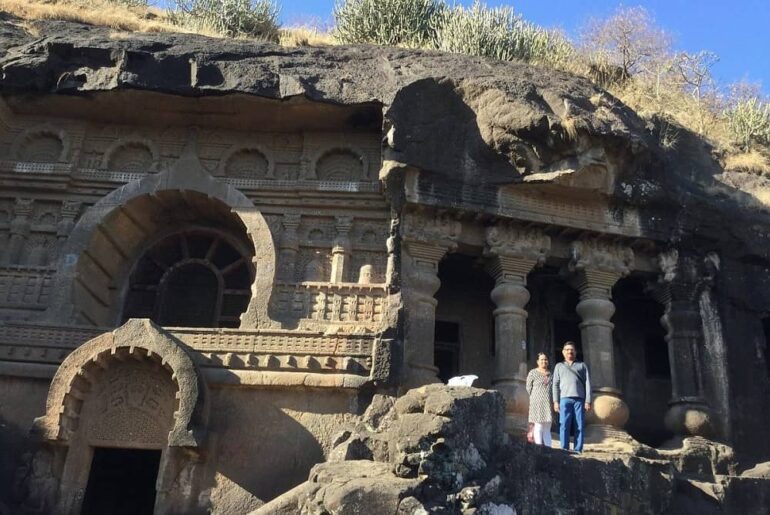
(627, 54)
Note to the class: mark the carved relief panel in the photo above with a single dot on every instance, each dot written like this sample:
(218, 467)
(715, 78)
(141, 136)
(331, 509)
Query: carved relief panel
(131, 404)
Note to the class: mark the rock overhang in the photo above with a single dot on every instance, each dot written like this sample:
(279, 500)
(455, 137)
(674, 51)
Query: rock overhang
(461, 117)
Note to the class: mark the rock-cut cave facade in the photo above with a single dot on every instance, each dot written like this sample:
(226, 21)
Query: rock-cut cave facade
(198, 291)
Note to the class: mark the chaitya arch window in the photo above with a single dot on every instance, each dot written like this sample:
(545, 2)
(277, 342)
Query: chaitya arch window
(196, 278)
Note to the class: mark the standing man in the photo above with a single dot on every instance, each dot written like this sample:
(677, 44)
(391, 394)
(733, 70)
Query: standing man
(571, 396)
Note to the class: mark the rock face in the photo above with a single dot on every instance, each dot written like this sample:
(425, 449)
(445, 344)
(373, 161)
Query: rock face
(442, 449)
(356, 191)
(444, 113)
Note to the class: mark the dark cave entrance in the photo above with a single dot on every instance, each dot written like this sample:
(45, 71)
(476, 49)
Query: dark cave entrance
(464, 332)
(121, 482)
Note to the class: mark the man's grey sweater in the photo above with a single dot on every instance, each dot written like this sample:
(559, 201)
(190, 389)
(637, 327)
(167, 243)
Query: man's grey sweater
(567, 384)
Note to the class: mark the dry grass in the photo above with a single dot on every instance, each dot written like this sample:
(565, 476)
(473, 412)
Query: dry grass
(570, 125)
(304, 35)
(751, 161)
(93, 12)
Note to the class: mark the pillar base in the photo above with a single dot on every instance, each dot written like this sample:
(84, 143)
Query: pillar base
(516, 397)
(689, 417)
(608, 409)
(419, 376)
(516, 425)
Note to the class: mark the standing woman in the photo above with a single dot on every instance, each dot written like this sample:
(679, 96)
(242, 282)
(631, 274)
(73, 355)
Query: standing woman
(540, 400)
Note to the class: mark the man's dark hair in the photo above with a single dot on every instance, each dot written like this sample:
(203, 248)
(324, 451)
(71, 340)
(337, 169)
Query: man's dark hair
(569, 343)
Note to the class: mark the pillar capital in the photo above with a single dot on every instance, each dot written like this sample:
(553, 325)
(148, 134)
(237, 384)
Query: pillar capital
(597, 265)
(514, 251)
(684, 275)
(600, 255)
(433, 227)
(508, 239)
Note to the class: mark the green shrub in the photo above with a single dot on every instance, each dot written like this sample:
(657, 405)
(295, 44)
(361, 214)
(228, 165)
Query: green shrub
(499, 33)
(749, 122)
(388, 22)
(231, 18)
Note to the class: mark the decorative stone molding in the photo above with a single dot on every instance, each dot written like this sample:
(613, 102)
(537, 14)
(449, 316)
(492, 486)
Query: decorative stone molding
(297, 357)
(25, 288)
(137, 338)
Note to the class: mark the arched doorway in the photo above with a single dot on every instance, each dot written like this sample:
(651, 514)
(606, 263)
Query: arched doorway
(194, 278)
(126, 417)
(125, 413)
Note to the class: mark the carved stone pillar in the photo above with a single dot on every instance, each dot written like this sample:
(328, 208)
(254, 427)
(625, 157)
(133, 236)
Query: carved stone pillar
(680, 287)
(514, 251)
(597, 266)
(69, 211)
(288, 247)
(426, 239)
(341, 248)
(19, 229)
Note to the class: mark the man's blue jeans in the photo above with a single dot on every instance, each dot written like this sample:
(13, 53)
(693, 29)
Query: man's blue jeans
(571, 412)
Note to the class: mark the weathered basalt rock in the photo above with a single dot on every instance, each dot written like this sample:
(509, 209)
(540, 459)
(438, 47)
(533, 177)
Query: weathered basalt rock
(442, 449)
(498, 122)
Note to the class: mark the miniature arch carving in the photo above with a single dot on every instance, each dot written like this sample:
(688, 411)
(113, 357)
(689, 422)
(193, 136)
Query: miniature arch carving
(39, 132)
(223, 169)
(145, 340)
(127, 143)
(352, 151)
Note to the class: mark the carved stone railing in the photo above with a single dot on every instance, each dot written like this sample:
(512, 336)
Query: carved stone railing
(230, 349)
(35, 168)
(25, 287)
(122, 177)
(360, 306)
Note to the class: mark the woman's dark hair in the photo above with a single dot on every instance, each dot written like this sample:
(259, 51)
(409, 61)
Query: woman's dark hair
(541, 354)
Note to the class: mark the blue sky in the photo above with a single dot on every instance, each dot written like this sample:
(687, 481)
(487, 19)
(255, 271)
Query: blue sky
(738, 31)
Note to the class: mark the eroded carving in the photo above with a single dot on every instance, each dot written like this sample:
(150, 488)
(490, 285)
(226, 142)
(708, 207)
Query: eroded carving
(42, 144)
(340, 165)
(596, 254)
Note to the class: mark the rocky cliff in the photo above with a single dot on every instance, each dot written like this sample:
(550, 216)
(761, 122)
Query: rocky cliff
(425, 452)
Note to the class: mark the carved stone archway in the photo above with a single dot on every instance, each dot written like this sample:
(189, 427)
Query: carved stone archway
(134, 388)
(138, 338)
(187, 175)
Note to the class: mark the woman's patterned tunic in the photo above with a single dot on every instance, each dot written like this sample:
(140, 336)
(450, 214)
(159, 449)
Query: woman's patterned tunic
(540, 397)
